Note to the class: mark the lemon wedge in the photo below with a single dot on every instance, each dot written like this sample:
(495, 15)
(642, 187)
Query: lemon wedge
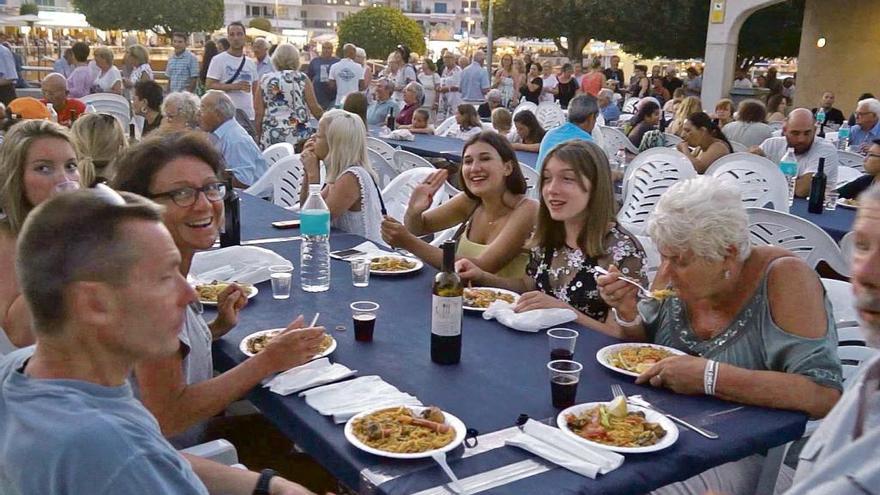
(617, 407)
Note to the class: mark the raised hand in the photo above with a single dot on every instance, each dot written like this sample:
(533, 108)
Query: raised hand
(423, 194)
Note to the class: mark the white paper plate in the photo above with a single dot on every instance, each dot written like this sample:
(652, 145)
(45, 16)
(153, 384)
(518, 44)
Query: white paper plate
(603, 354)
(251, 292)
(454, 422)
(416, 268)
(843, 202)
(650, 415)
(242, 346)
(503, 291)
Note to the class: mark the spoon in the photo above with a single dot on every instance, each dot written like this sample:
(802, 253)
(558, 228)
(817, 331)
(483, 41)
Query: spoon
(642, 291)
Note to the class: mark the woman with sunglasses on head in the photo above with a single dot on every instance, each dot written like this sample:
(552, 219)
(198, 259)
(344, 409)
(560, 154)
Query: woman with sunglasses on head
(495, 216)
(182, 172)
(576, 232)
(37, 161)
(98, 138)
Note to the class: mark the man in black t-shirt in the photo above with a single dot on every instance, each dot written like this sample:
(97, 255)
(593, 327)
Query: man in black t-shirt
(832, 115)
(616, 73)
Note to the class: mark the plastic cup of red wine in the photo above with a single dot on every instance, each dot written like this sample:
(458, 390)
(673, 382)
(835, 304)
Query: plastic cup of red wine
(363, 313)
(564, 377)
(562, 342)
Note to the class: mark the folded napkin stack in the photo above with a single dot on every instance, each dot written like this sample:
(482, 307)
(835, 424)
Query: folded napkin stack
(555, 446)
(346, 399)
(529, 321)
(246, 264)
(317, 372)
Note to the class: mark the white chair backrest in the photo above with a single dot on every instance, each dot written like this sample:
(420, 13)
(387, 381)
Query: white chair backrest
(649, 177)
(846, 247)
(110, 103)
(652, 257)
(624, 118)
(533, 179)
(802, 237)
(383, 168)
(550, 115)
(397, 193)
(404, 160)
(738, 147)
(760, 181)
(671, 139)
(525, 105)
(444, 235)
(264, 187)
(840, 294)
(287, 184)
(850, 159)
(629, 106)
(381, 147)
(846, 175)
(277, 151)
(852, 357)
(443, 128)
(616, 139)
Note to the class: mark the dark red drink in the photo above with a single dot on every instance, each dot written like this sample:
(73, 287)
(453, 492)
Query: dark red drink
(556, 354)
(363, 327)
(564, 390)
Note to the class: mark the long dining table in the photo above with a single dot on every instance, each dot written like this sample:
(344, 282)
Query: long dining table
(448, 148)
(502, 374)
(837, 222)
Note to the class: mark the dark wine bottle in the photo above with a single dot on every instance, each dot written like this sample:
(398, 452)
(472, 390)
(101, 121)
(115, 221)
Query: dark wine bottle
(816, 203)
(390, 120)
(131, 138)
(446, 309)
(231, 233)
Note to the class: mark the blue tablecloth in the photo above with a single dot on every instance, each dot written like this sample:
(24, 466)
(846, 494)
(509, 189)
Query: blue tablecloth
(501, 375)
(449, 148)
(836, 222)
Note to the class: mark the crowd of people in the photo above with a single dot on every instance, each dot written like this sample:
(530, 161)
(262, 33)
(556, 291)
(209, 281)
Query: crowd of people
(101, 233)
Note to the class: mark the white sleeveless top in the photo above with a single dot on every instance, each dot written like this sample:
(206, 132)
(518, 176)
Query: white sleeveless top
(368, 220)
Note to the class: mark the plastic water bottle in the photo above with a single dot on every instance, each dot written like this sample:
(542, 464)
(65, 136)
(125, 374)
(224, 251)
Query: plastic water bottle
(315, 250)
(789, 167)
(820, 115)
(620, 158)
(53, 115)
(843, 136)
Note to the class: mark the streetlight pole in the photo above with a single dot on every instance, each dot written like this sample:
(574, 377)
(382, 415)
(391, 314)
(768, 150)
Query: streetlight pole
(490, 40)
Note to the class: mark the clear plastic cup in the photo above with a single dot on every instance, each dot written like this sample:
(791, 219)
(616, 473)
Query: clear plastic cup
(562, 342)
(68, 185)
(831, 197)
(360, 272)
(364, 315)
(281, 276)
(564, 377)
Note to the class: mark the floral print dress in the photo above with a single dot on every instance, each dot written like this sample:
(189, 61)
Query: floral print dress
(286, 117)
(569, 275)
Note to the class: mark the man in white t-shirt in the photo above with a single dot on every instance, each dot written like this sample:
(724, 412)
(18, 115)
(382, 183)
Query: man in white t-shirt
(799, 132)
(549, 90)
(347, 76)
(234, 73)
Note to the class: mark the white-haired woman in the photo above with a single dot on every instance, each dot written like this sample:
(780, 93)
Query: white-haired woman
(361, 58)
(285, 100)
(761, 311)
(413, 95)
(351, 191)
(180, 112)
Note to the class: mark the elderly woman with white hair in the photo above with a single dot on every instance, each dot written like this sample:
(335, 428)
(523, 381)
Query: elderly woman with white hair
(180, 112)
(361, 58)
(753, 321)
(413, 95)
(351, 190)
(284, 101)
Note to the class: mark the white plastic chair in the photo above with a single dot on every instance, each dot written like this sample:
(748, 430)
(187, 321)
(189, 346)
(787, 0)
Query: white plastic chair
(383, 168)
(652, 257)
(846, 247)
(550, 115)
(840, 294)
(533, 180)
(616, 139)
(846, 175)
(381, 147)
(852, 357)
(397, 193)
(629, 106)
(850, 159)
(802, 237)
(760, 181)
(671, 139)
(402, 161)
(112, 104)
(264, 187)
(738, 147)
(286, 186)
(832, 137)
(444, 126)
(624, 118)
(277, 151)
(525, 105)
(444, 236)
(650, 175)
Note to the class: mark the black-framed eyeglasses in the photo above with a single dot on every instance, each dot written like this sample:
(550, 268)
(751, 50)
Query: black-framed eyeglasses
(187, 196)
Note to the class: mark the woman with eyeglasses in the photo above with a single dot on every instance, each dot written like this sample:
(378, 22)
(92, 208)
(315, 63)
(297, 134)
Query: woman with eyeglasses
(37, 161)
(182, 172)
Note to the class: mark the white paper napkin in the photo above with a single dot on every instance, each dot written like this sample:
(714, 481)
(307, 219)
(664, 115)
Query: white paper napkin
(246, 264)
(369, 249)
(317, 372)
(401, 135)
(555, 446)
(346, 399)
(529, 321)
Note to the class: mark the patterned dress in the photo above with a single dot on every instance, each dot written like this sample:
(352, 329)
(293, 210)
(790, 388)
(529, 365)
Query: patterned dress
(286, 117)
(569, 275)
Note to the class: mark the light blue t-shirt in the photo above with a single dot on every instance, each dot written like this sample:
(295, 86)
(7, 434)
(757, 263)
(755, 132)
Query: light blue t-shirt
(858, 136)
(73, 437)
(474, 79)
(377, 113)
(561, 134)
(240, 152)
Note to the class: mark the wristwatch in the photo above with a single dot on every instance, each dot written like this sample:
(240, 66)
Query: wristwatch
(262, 487)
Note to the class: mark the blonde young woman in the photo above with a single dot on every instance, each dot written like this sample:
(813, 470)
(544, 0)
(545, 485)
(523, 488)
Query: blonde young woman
(575, 233)
(99, 139)
(351, 191)
(37, 161)
(497, 216)
(688, 106)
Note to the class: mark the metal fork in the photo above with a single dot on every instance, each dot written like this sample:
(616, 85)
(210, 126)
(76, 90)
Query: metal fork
(639, 401)
(642, 291)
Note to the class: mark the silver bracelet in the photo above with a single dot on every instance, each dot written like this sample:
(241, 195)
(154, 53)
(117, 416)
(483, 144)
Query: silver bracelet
(710, 377)
(628, 324)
